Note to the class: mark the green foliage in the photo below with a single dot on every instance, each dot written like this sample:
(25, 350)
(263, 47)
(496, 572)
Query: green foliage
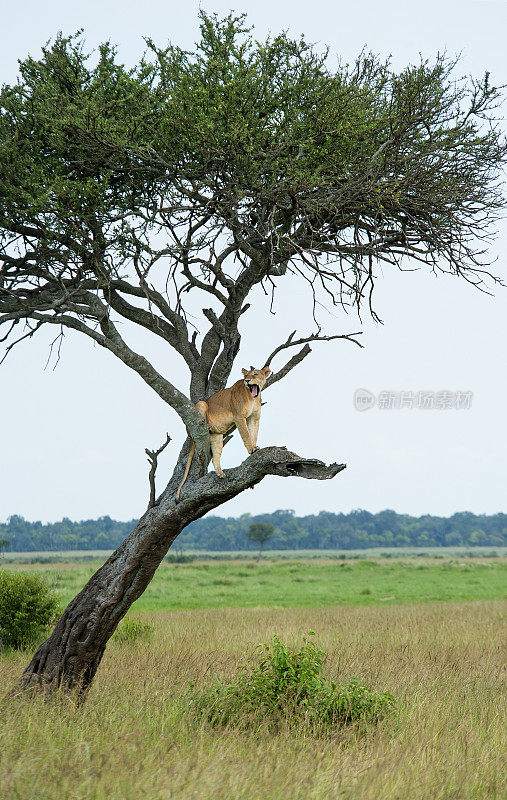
(288, 687)
(357, 530)
(272, 144)
(133, 630)
(260, 532)
(179, 558)
(27, 607)
(4, 545)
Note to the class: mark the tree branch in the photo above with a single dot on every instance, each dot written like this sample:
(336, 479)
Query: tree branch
(195, 424)
(153, 461)
(293, 362)
(315, 337)
(110, 338)
(151, 322)
(210, 491)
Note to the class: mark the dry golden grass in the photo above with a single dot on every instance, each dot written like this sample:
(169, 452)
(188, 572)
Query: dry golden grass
(134, 738)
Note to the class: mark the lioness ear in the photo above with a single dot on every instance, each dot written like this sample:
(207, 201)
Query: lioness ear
(252, 369)
(266, 371)
(244, 371)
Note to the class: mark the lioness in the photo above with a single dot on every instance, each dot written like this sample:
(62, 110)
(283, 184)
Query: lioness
(240, 406)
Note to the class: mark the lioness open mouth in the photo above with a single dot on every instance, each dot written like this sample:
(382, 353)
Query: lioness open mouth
(254, 389)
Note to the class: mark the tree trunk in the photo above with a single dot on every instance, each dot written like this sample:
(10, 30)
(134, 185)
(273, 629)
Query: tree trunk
(70, 657)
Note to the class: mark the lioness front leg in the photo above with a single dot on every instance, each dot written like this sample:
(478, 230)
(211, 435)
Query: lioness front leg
(217, 443)
(245, 434)
(253, 428)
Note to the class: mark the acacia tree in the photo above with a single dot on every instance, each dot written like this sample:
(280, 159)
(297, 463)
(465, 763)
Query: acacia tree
(260, 532)
(127, 194)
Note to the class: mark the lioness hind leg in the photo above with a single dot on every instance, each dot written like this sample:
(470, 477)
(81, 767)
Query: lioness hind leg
(217, 443)
(202, 408)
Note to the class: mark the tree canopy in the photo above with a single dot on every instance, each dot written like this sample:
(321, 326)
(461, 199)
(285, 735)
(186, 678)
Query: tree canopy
(125, 190)
(260, 532)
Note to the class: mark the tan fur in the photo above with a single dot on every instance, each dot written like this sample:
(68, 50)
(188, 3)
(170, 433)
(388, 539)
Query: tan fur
(231, 407)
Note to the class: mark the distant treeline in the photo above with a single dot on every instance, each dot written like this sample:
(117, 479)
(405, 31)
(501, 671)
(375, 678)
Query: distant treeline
(356, 530)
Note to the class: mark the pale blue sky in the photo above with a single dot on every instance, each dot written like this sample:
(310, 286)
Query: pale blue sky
(72, 440)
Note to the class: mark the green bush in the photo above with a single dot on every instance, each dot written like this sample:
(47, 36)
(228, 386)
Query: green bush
(133, 630)
(27, 607)
(179, 558)
(288, 686)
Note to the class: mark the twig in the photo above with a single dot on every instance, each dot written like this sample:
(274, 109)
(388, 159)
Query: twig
(152, 460)
(293, 362)
(315, 337)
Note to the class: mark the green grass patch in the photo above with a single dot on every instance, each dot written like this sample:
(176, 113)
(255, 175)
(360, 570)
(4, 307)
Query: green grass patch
(132, 630)
(311, 583)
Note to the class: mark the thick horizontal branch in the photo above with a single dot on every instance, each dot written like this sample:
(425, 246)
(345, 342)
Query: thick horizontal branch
(211, 491)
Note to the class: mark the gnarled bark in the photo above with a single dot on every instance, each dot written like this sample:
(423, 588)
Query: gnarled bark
(70, 657)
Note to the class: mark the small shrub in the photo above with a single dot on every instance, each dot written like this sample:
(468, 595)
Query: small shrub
(133, 630)
(288, 686)
(179, 558)
(27, 607)
(42, 560)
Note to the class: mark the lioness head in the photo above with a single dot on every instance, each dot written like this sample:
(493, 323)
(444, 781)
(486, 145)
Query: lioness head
(255, 379)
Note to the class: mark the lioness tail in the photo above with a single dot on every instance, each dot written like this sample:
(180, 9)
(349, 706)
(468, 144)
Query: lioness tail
(187, 470)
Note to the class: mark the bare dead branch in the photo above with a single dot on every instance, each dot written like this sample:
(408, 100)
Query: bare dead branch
(293, 362)
(153, 461)
(316, 337)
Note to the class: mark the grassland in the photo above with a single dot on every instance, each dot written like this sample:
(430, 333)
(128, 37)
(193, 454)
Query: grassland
(290, 584)
(135, 738)
(48, 556)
